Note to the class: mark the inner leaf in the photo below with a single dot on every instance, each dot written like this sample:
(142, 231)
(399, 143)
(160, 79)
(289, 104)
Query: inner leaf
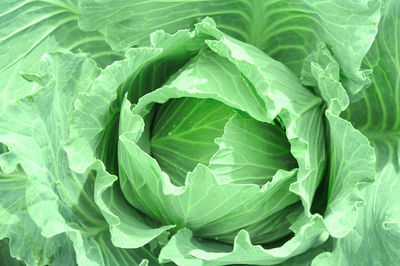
(251, 152)
(238, 149)
(183, 134)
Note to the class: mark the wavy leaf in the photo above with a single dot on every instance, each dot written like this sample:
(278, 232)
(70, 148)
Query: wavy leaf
(286, 30)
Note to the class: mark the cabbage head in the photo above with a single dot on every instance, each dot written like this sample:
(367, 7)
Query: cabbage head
(180, 132)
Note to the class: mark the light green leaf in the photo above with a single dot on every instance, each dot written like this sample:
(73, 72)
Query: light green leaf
(183, 134)
(184, 250)
(127, 226)
(28, 30)
(377, 115)
(96, 114)
(250, 152)
(278, 94)
(285, 97)
(351, 158)
(99, 250)
(31, 28)
(150, 180)
(205, 76)
(60, 201)
(376, 235)
(286, 30)
(351, 166)
(18, 226)
(225, 208)
(211, 76)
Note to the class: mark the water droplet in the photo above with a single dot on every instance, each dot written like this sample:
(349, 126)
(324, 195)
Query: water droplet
(169, 133)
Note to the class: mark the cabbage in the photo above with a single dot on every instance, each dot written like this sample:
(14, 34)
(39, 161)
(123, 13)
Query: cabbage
(199, 132)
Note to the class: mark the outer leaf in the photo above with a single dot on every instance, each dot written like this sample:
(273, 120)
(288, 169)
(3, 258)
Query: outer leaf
(377, 115)
(351, 158)
(59, 200)
(184, 250)
(286, 30)
(5, 256)
(28, 29)
(377, 233)
(376, 236)
(17, 225)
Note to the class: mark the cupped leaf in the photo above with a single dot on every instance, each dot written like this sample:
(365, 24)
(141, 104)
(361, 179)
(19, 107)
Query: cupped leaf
(183, 134)
(92, 130)
(278, 91)
(250, 152)
(209, 76)
(128, 227)
(283, 95)
(286, 30)
(210, 208)
(176, 132)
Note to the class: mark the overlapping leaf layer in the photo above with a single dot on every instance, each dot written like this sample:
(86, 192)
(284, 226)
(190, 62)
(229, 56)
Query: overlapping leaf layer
(185, 132)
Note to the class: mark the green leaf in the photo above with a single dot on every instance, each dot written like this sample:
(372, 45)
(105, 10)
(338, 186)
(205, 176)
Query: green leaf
(128, 227)
(284, 96)
(5, 256)
(184, 123)
(277, 92)
(210, 76)
(31, 28)
(351, 165)
(352, 159)
(183, 134)
(376, 235)
(182, 249)
(18, 226)
(286, 30)
(99, 250)
(250, 152)
(92, 129)
(234, 206)
(28, 30)
(377, 115)
(58, 200)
